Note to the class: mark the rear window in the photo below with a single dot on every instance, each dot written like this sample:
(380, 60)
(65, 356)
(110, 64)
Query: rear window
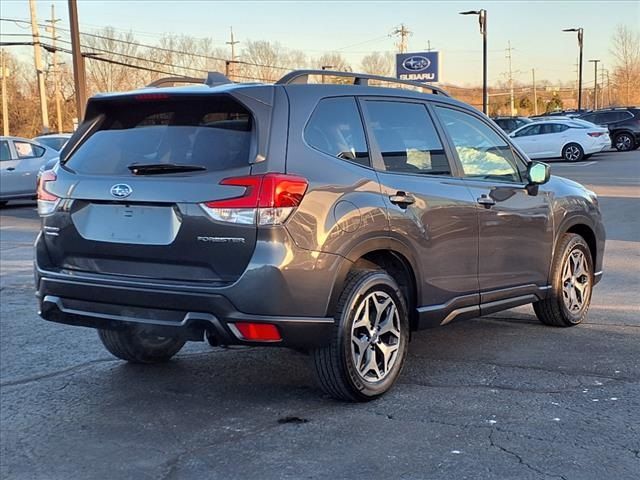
(210, 132)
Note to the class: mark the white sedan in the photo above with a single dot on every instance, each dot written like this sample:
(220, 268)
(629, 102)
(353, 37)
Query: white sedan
(567, 139)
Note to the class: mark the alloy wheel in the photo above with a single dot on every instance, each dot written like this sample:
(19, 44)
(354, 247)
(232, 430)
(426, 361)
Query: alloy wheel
(623, 142)
(572, 153)
(576, 281)
(375, 336)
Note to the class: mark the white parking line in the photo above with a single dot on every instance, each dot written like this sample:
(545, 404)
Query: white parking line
(573, 164)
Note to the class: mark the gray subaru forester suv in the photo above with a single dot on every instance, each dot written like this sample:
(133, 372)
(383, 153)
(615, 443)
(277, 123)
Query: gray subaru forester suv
(330, 218)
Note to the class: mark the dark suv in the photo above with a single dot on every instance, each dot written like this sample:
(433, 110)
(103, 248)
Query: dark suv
(334, 219)
(623, 125)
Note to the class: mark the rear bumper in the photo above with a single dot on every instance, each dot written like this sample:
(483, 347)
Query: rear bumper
(64, 299)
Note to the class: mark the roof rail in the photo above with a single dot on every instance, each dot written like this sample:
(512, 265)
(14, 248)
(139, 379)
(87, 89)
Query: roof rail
(213, 79)
(302, 76)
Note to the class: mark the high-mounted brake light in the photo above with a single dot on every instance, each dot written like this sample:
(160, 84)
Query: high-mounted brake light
(268, 199)
(47, 202)
(150, 97)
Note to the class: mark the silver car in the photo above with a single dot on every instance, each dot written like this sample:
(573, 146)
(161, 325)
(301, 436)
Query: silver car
(20, 161)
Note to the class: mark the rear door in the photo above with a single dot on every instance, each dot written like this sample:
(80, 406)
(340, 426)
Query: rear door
(138, 191)
(430, 210)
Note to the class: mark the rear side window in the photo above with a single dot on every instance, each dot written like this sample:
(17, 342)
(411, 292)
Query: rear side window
(407, 138)
(5, 153)
(336, 129)
(553, 128)
(28, 150)
(206, 131)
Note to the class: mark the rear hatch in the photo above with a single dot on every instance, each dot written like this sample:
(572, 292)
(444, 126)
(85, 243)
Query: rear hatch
(134, 190)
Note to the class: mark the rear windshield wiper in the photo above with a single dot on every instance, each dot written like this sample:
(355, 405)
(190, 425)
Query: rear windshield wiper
(160, 168)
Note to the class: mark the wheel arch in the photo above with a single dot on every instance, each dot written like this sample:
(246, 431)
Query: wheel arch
(390, 255)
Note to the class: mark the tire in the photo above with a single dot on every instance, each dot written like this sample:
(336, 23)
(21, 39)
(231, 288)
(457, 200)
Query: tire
(137, 346)
(572, 152)
(345, 368)
(624, 142)
(554, 310)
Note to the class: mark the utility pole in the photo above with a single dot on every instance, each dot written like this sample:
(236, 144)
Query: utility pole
(403, 32)
(535, 92)
(482, 20)
(595, 83)
(508, 56)
(78, 61)
(428, 45)
(37, 57)
(56, 76)
(602, 89)
(580, 32)
(231, 66)
(5, 108)
(609, 87)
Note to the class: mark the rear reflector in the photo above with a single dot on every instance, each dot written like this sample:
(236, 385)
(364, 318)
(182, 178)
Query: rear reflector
(267, 199)
(47, 202)
(258, 332)
(595, 134)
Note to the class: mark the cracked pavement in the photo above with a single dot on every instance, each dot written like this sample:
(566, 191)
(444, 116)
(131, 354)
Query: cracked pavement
(495, 397)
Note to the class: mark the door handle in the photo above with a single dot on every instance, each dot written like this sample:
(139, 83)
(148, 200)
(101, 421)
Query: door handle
(402, 199)
(486, 200)
(11, 169)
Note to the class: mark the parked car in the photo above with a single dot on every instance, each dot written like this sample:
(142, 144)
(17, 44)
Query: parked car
(623, 125)
(509, 124)
(567, 139)
(20, 160)
(331, 218)
(53, 140)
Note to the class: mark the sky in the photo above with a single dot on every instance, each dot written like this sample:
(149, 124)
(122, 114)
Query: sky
(356, 28)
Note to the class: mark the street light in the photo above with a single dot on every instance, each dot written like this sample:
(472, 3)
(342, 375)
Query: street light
(595, 84)
(482, 20)
(580, 36)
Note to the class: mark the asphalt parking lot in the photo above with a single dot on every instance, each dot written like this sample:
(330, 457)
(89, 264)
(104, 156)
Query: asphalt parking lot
(495, 397)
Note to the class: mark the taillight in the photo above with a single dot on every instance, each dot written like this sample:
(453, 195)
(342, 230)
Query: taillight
(47, 201)
(267, 200)
(595, 134)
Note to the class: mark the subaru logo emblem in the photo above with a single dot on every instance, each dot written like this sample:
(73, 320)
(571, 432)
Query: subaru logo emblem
(121, 190)
(416, 63)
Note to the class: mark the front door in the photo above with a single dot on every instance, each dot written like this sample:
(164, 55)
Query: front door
(515, 223)
(430, 210)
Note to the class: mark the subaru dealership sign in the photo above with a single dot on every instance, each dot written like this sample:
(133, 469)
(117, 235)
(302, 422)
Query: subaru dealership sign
(418, 67)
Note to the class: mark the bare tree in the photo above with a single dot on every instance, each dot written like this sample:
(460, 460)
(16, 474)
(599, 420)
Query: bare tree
(625, 48)
(268, 60)
(104, 76)
(378, 63)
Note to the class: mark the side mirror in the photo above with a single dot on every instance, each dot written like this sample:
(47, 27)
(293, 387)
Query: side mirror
(538, 173)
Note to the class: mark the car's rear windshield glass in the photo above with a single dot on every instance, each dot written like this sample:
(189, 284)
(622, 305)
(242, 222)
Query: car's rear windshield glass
(210, 132)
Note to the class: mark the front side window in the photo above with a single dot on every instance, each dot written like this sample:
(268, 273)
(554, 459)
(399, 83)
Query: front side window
(407, 138)
(531, 130)
(28, 150)
(336, 129)
(482, 152)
